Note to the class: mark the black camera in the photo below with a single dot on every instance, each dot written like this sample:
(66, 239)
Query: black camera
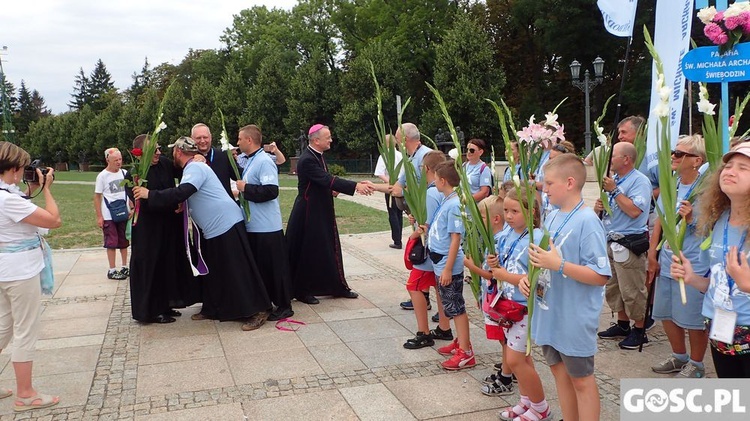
(29, 173)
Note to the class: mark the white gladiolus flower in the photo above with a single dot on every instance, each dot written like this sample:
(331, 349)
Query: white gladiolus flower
(160, 127)
(517, 180)
(706, 107)
(707, 14)
(602, 139)
(664, 93)
(661, 110)
(225, 146)
(660, 81)
(453, 153)
(551, 119)
(703, 91)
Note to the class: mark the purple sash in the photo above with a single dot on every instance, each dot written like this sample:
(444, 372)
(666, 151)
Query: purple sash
(202, 269)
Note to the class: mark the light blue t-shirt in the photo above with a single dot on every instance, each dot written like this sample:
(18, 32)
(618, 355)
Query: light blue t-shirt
(637, 188)
(570, 322)
(447, 221)
(210, 207)
(514, 257)
(416, 160)
(713, 258)
(434, 197)
(498, 236)
(479, 175)
(539, 172)
(266, 216)
(691, 246)
(650, 168)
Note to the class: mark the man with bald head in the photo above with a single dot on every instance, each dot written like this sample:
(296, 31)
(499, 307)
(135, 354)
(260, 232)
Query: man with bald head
(629, 194)
(409, 134)
(215, 157)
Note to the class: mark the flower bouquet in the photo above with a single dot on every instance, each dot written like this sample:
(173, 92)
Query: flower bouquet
(142, 156)
(387, 149)
(479, 238)
(726, 28)
(531, 143)
(602, 157)
(227, 147)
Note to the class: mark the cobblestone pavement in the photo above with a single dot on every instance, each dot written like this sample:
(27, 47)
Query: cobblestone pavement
(346, 363)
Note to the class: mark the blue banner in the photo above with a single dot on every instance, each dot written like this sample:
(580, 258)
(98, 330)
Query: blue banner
(705, 64)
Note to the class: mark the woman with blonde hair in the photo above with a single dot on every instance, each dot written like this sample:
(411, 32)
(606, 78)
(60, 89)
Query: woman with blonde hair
(25, 268)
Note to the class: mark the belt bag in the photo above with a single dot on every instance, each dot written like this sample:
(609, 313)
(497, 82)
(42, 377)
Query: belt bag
(118, 209)
(436, 257)
(503, 311)
(416, 252)
(636, 243)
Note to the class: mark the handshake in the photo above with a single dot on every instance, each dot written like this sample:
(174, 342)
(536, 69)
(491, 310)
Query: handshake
(367, 187)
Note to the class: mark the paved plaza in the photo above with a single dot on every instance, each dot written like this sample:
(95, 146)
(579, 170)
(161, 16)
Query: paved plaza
(346, 363)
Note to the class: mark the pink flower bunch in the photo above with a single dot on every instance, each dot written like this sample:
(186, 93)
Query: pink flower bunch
(546, 133)
(726, 28)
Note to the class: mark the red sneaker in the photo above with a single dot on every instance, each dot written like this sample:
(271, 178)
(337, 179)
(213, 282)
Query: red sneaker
(449, 349)
(461, 359)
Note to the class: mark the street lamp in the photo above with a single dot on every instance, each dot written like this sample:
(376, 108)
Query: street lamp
(586, 86)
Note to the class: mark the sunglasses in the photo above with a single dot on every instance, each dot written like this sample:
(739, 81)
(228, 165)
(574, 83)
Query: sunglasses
(682, 154)
(471, 150)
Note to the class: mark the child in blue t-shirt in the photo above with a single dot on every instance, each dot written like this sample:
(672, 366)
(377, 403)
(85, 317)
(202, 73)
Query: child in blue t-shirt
(510, 268)
(722, 271)
(421, 277)
(447, 256)
(570, 291)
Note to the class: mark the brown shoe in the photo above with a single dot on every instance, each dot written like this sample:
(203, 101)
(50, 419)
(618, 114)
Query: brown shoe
(198, 316)
(255, 321)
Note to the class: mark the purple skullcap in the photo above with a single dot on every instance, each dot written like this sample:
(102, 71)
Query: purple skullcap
(315, 128)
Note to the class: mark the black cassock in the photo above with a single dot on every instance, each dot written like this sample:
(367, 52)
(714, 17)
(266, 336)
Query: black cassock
(312, 234)
(160, 276)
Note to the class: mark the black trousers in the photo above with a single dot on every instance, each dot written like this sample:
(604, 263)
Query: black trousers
(395, 218)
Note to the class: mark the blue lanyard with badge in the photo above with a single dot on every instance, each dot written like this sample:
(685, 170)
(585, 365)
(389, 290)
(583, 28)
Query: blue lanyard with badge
(725, 318)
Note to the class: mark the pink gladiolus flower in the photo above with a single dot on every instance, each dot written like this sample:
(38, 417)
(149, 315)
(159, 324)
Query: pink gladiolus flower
(746, 24)
(718, 17)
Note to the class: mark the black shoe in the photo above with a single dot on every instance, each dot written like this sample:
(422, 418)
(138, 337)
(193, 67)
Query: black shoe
(440, 334)
(116, 275)
(421, 340)
(615, 331)
(634, 339)
(649, 323)
(163, 318)
(174, 313)
(280, 313)
(436, 317)
(494, 377)
(124, 271)
(308, 299)
(349, 294)
(395, 246)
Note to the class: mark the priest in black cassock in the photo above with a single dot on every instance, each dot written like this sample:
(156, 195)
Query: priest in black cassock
(160, 278)
(215, 157)
(312, 235)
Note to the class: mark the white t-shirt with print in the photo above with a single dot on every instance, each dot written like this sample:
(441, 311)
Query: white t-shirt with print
(108, 185)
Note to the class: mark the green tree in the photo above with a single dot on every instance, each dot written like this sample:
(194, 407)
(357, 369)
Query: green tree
(26, 112)
(80, 91)
(101, 87)
(230, 98)
(201, 108)
(466, 74)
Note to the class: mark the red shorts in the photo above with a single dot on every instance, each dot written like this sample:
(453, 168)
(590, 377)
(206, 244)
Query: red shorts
(114, 235)
(420, 280)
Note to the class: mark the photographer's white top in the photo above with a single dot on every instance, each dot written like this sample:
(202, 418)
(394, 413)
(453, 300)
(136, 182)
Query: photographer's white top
(24, 264)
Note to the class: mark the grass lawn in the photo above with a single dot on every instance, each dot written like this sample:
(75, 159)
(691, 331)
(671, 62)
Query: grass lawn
(79, 220)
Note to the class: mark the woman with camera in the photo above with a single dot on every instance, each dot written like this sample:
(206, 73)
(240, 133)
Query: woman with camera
(24, 268)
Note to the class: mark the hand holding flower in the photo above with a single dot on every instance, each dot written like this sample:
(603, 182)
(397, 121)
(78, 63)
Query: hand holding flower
(524, 287)
(545, 259)
(140, 192)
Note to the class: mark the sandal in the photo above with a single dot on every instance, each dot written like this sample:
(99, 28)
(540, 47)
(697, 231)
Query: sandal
(4, 393)
(532, 415)
(497, 389)
(27, 404)
(510, 413)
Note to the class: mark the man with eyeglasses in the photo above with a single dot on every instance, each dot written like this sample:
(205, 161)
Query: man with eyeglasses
(627, 242)
(215, 157)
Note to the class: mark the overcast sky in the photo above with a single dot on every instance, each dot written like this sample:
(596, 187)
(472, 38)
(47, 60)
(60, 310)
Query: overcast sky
(50, 40)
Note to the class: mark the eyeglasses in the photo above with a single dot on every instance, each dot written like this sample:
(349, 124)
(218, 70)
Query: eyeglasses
(681, 154)
(471, 150)
(559, 148)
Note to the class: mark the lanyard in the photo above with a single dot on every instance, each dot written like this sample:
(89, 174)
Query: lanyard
(250, 161)
(437, 211)
(565, 221)
(730, 281)
(690, 190)
(211, 157)
(507, 255)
